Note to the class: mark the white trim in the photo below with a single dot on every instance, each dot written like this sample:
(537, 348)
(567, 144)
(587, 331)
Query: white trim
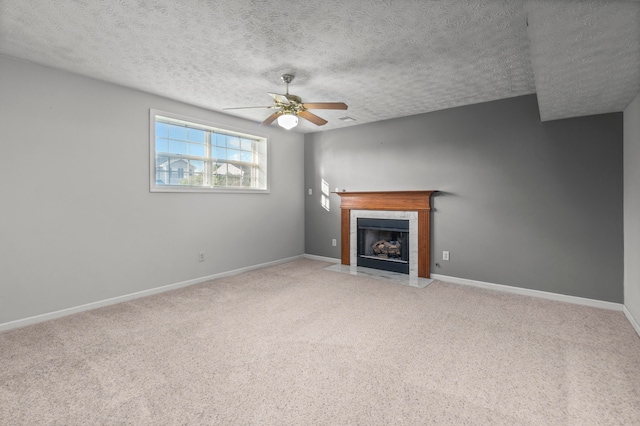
(632, 320)
(124, 298)
(321, 258)
(534, 293)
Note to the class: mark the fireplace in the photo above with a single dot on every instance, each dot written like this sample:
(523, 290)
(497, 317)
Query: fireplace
(383, 244)
(413, 207)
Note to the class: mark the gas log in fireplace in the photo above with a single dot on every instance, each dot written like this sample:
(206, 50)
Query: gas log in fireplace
(383, 244)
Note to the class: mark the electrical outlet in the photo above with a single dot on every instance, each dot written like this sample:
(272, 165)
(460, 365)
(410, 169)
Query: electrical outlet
(445, 255)
(334, 242)
(310, 191)
(201, 256)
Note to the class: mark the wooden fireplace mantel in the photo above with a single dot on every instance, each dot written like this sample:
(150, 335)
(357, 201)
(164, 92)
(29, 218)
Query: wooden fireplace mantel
(419, 201)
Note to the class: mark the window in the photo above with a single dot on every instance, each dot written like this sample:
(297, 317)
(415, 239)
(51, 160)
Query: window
(194, 156)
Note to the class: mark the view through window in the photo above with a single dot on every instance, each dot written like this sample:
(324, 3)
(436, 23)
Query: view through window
(191, 155)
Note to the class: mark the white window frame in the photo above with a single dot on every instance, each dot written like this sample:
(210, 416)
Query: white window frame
(209, 126)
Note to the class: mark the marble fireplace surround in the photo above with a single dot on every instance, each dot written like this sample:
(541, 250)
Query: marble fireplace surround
(414, 206)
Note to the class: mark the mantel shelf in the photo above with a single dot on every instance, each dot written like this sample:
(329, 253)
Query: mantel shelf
(386, 200)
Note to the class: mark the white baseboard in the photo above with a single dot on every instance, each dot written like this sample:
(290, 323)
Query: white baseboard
(632, 320)
(509, 289)
(119, 299)
(534, 293)
(124, 298)
(321, 258)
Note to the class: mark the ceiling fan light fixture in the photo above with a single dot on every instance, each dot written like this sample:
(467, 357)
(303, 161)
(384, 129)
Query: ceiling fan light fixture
(287, 121)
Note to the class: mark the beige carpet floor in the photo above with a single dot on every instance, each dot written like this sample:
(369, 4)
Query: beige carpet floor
(294, 344)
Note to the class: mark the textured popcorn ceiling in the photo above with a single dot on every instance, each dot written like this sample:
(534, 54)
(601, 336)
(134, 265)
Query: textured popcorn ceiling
(585, 55)
(384, 58)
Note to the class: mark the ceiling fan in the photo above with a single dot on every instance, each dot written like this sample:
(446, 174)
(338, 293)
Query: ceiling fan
(290, 107)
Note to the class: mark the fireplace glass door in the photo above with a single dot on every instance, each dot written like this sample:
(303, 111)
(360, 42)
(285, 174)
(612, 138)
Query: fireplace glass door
(383, 244)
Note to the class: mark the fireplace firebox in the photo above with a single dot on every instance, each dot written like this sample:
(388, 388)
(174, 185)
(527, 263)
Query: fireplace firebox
(383, 244)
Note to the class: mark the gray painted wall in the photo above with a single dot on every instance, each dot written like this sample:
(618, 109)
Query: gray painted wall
(74, 232)
(632, 208)
(523, 203)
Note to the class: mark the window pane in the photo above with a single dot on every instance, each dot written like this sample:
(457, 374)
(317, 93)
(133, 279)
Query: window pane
(220, 180)
(173, 178)
(246, 145)
(196, 179)
(178, 163)
(197, 165)
(224, 169)
(232, 154)
(183, 178)
(177, 147)
(221, 140)
(233, 142)
(196, 135)
(162, 145)
(177, 132)
(162, 173)
(246, 156)
(190, 179)
(162, 129)
(160, 178)
(196, 149)
(220, 153)
(233, 180)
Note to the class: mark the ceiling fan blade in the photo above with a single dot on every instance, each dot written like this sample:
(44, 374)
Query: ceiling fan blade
(270, 106)
(325, 105)
(270, 119)
(279, 98)
(318, 121)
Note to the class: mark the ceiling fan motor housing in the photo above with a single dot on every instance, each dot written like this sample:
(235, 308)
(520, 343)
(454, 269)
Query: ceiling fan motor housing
(287, 78)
